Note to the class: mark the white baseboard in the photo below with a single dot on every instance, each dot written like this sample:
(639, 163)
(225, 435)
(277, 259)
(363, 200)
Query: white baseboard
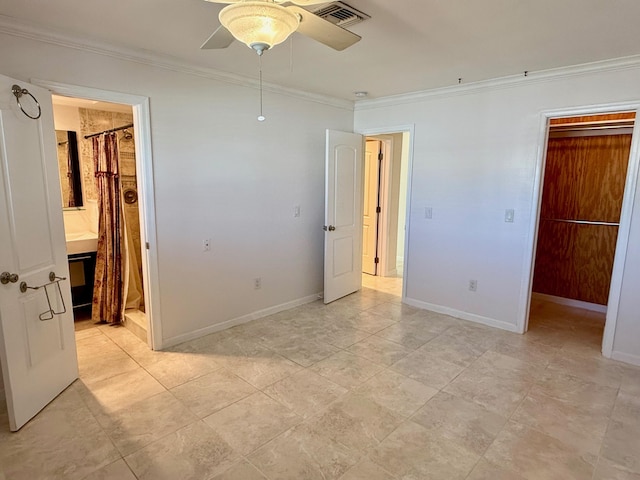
(570, 302)
(471, 317)
(170, 342)
(626, 358)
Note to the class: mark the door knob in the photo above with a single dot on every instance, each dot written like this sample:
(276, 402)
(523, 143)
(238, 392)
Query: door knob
(331, 228)
(6, 277)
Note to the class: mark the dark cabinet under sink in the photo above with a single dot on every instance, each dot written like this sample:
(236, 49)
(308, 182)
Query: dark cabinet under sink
(82, 268)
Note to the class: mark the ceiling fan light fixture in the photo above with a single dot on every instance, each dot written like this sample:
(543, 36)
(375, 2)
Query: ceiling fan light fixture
(259, 24)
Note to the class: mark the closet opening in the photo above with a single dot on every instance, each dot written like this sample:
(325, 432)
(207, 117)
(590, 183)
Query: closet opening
(582, 192)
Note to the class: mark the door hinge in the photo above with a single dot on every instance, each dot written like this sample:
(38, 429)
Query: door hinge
(146, 244)
(377, 260)
(380, 155)
(378, 209)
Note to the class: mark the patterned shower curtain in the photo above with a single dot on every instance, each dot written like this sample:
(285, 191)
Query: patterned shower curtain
(108, 291)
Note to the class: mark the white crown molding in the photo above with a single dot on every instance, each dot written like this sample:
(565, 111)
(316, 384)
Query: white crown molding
(501, 82)
(18, 28)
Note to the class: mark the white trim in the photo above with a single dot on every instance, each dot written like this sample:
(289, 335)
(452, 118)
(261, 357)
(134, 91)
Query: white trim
(625, 357)
(622, 244)
(625, 218)
(531, 242)
(509, 81)
(385, 201)
(471, 317)
(570, 302)
(19, 28)
(411, 129)
(144, 164)
(170, 342)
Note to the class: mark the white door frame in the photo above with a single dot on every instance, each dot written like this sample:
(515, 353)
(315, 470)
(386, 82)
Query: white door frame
(144, 169)
(625, 216)
(410, 129)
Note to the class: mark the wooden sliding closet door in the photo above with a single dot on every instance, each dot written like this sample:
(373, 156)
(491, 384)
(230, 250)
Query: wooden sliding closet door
(581, 202)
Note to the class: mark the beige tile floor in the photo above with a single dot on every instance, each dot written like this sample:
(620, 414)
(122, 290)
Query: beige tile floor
(364, 388)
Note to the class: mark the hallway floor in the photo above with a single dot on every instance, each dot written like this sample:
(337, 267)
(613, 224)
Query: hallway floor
(364, 388)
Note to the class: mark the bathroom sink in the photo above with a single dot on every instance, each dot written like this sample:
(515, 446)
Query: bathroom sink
(81, 242)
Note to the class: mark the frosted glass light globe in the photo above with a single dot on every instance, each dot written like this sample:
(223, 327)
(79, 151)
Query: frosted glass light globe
(259, 25)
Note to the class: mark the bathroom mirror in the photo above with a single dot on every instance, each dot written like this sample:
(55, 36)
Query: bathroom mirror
(69, 167)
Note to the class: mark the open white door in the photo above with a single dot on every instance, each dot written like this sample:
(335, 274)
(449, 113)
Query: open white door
(343, 215)
(37, 349)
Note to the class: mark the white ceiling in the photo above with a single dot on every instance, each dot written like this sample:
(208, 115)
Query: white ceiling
(407, 45)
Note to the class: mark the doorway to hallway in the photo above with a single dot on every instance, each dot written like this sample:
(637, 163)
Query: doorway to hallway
(385, 192)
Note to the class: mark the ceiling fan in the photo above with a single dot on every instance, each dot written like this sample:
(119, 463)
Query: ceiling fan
(261, 24)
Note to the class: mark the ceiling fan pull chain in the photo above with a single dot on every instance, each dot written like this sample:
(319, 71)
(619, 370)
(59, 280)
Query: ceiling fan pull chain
(261, 117)
(290, 54)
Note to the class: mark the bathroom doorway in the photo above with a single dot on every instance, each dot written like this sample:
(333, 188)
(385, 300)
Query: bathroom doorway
(384, 211)
(77, 122)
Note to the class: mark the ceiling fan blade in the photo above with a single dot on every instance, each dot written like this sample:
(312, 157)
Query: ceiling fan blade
(324, 31)
(221, 38)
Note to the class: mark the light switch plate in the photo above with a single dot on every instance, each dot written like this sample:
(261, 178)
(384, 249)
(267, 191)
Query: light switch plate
(509, 215)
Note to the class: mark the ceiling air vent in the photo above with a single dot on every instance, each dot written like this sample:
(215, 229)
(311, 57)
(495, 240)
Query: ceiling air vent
(341, 14)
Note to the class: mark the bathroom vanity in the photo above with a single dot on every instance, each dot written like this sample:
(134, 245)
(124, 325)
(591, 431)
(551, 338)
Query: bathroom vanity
(81, 272)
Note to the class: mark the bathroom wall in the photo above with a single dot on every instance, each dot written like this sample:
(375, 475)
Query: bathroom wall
(95, 121)
(85, 219)
(66, 118)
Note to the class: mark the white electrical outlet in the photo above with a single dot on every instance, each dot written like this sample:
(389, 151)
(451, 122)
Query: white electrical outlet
(296, 211)
(473, 285)
(428, 213)
(257, 283)
(206, 245)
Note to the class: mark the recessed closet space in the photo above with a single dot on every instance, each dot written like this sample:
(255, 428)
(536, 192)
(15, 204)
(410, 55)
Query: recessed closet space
(97, 163)
(583, 187)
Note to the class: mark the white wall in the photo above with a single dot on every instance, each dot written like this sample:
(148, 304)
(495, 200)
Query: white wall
(475, 155)
(67, 117)
(626, 345)
(219, 174)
